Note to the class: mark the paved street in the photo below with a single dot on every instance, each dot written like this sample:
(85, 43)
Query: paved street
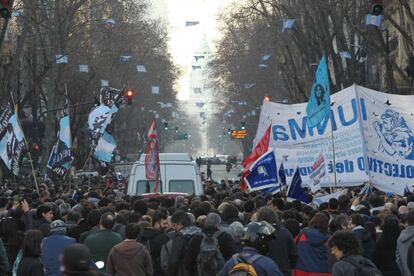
(219, 172)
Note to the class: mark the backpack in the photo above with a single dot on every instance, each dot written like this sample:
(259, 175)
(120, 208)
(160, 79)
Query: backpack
(243, 267)
(209, 260)
(365, 268)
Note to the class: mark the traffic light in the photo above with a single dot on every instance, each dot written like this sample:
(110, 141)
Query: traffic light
(185, 136)
(243, 125)
(377, 7)
(5, 8)
(166, 125)
(176, 129)
(267, 98)
(229, 131)
(129, 94)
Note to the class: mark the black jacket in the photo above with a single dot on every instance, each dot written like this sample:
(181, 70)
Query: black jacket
(367, 240)
(29, 266)
(154, 239)
(343, 267)
(227, 247)
(178, 248)
(282, 250)
(384, 257)
(77, 231)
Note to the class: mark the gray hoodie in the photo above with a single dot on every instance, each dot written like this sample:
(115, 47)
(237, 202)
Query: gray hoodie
(403, 243)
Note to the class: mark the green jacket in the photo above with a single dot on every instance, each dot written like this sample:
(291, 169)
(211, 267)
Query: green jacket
(101, 243)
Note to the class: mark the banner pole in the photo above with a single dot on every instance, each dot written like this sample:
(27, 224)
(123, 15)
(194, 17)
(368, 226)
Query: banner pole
(333, 152)
(26, 143)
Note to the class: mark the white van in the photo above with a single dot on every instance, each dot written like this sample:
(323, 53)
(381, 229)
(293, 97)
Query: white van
(179, 174)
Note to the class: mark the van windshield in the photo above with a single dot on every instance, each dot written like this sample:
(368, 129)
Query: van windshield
(142, 186)
(182, 186)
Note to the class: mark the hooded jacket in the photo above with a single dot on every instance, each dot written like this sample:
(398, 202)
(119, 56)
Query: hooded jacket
(367, 240)
(344, 266)
(154, 240)
(179, 245)
(313, 254)
(403, 243)
(129, 258)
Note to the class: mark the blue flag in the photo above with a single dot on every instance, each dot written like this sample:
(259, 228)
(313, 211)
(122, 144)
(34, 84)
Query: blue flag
(373, 20)
(263, 172)
(61, 157)
(282, 175)
(296, 190)
(320, 98)
(105, 148)
(407, 191)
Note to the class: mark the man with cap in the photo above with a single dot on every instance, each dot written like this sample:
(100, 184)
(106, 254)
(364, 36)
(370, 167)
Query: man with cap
(227, 245)
(53, 247)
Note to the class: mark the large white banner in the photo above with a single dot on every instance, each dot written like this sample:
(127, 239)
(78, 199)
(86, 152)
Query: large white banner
(357, 115)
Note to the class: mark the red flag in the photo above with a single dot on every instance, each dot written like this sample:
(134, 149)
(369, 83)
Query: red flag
(152, 158)
(258, 150)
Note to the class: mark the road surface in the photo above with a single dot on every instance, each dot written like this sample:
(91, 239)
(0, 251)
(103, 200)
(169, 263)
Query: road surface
(219, 172)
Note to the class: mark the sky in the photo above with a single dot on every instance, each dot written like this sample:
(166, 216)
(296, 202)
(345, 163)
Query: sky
(185, 43)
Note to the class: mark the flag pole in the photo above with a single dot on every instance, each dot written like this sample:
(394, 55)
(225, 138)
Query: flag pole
(26, 143)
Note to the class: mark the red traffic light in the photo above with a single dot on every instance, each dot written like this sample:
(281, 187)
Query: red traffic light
(5, 8)
(36, 148)
(266, 98)
(129, 94)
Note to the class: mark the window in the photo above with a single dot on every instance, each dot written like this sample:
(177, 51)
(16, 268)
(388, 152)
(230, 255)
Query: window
(142, 186)
(182, 186)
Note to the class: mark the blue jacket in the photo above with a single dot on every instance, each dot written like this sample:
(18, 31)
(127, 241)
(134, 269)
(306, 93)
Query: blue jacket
(264, 266)
(313, 253)
(52, 249)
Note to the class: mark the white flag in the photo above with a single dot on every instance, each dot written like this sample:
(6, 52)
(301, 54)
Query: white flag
(318, 172)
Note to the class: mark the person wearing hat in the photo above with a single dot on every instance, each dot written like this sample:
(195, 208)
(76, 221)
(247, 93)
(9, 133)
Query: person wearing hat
(254, 252)
(77, 261)
(53, 247)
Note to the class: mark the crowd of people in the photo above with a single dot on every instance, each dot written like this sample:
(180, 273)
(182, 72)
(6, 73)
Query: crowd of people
(99, 230)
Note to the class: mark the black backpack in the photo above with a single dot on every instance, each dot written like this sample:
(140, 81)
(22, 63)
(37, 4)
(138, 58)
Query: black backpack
(364, 267)
(209, 260)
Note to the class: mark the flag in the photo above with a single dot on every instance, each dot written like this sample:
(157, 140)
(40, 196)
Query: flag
(152, 160)
(104, 83)
(61, 59)
(266, 57)
(296, 190)
(102, 115)
(155, 90)
(345, 55)
(249, 85)
(109, 21)
(263, 172)
(287, 24)
(373, 20)
(191, 23)
(407, 191)
(366, 190)
(124, 58)
(258, 151)
(282, 175)
(318, 171)
(105, 148)
(83, 68)
(197, 90)
(321, 199)
(15, 13)
(319, 101)
(12, 141)
(200, 104)
(141, 68)
(60, 157)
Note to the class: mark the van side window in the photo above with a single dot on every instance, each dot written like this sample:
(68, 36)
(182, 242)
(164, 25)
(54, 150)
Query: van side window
(145, 186)
(182, 186)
